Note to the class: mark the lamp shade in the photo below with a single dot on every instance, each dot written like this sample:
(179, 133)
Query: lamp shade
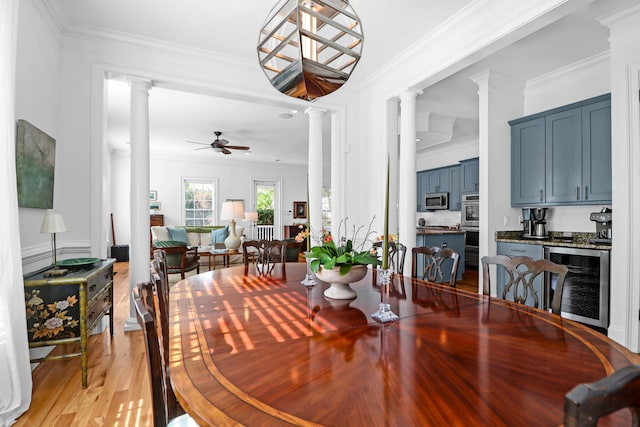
(53, 223)
(251, 216)
(232, 210)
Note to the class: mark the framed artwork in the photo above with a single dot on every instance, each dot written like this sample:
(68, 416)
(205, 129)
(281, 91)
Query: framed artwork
(35, 166)
(299, 209)
(154, 206)
(153, 195)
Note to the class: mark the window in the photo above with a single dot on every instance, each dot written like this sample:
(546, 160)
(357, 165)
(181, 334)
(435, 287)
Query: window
(326, 208)
(199, 202)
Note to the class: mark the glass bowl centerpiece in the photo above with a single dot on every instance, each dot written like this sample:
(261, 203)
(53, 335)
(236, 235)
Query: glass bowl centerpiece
(343, 261)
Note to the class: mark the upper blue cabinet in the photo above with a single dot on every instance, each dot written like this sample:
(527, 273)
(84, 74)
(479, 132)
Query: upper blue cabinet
(563, 156)
(457, 179)
(470, 176)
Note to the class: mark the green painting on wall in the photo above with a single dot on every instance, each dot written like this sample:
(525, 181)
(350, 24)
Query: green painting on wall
(35, 166)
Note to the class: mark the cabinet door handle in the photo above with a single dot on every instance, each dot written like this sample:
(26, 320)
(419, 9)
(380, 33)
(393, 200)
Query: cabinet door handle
(578, 193)
(443, 245)
(518, 250)
(586, 192)
(541, 194)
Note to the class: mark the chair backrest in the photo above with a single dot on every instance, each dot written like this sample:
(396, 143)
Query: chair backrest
(161, 390)
(397, 252)
(180, 258)
(521, 272)
(160, 282)
(433, 259)
(264, 254)
(588, 402)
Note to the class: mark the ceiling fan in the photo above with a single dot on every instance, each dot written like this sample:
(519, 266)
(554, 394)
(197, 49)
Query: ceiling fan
(220, 145)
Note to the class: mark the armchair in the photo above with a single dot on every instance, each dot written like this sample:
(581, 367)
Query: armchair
(180, 257)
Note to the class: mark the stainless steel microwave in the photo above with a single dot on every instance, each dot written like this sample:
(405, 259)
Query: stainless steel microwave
(436, 201)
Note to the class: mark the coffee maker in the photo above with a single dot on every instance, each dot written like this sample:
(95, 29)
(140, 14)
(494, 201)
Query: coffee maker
(527, 223)
(603, 226)
(534, 224)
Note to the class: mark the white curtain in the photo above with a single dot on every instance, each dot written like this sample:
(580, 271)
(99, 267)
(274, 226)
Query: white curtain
(15, 372)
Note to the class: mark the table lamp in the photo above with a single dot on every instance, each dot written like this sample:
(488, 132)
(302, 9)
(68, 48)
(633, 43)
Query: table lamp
(232, 210)
(252, 217)
(53, 223)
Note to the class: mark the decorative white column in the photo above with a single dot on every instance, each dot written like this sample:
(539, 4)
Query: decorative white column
(314, 209)
(500, 99)
(624, 26)
(139, 202)
(407, 171)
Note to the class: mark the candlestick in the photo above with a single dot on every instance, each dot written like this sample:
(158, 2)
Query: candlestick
(385, 243)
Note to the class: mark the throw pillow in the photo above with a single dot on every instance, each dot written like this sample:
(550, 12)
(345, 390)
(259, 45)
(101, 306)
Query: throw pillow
(219, 234)
(159, 233)
(179, 234)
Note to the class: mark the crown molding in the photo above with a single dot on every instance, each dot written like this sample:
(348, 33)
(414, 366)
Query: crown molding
(569, 70)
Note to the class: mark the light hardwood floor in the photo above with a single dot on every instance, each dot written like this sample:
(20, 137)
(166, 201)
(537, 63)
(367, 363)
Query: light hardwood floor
(118, 392)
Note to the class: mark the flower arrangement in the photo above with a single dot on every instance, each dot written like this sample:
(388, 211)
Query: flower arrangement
(343, 254)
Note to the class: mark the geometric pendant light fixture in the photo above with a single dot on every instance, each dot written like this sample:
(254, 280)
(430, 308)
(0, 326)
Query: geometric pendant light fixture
(309, 48)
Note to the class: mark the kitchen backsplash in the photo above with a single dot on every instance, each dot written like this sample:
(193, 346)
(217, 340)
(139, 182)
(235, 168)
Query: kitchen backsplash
(442, 218)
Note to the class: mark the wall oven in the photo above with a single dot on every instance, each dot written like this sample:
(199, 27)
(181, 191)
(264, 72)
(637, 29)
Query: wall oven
(470, 221)
(470, 210)
(585, 297)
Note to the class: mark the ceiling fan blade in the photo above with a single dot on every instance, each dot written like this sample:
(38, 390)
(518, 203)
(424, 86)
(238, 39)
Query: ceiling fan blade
(201, 143)
(201, 148)
(237, 147)
(225, 151)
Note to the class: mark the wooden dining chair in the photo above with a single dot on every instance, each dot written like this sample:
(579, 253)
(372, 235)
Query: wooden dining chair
(588, 402)
(433, 260)
(521, 271)
(264, 255)
(181, 258)
(397, 252)
(159, 279)
(166, 411)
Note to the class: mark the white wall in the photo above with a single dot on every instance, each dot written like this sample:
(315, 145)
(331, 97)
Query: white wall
(38, 81)
(233, 178)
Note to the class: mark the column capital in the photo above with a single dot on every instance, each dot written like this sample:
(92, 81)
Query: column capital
(138, 82)
(410, 94)
(315, 111)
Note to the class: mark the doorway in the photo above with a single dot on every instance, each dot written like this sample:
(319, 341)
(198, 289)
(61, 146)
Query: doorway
(266, 196)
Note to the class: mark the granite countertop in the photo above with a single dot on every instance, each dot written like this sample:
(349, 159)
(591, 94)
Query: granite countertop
(427, 230)
(556, 238)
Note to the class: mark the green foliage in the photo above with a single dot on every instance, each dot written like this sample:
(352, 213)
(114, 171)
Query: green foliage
(265, 216)
(343, 255)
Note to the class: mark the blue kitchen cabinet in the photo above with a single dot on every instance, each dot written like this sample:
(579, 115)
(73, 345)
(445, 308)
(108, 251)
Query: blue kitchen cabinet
(520, 249)
(421, 190)
(527, 162)
(470, 176)
(438, 180)
(453, 241)
(454, 188)
(596, 152)
(563, 156)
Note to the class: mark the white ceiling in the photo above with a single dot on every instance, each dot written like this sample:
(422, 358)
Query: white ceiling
(231, 28)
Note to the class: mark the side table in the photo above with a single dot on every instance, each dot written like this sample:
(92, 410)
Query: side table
(224, 253)
(67, 308)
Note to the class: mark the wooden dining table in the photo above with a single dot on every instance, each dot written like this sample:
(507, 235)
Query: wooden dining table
(264, 350)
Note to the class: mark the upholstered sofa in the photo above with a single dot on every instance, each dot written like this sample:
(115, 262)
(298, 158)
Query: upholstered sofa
(202, 237)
